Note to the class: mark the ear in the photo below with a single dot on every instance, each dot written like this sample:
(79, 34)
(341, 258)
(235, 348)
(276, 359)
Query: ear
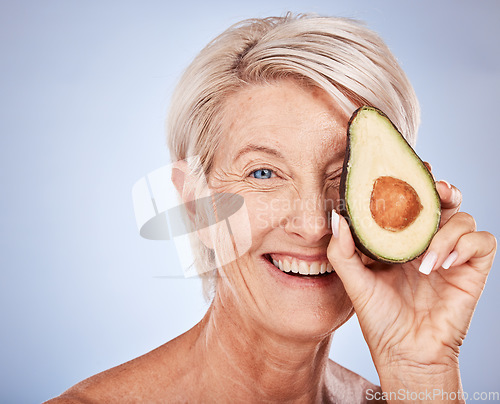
(179, 169)
(181, 177)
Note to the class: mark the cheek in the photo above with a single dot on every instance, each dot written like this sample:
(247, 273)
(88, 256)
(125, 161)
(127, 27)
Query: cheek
(266, 212)
(245, 229)
(242, 227)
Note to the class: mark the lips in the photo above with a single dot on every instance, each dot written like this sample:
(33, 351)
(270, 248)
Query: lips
(295, 266)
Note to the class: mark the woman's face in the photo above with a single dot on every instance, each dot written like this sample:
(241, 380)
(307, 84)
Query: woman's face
(282, 151)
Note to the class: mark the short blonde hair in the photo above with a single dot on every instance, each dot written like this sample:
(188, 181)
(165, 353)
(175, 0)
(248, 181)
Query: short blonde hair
(339, 55)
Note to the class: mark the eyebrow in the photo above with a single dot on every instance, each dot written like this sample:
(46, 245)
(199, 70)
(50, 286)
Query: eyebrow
(253, 148)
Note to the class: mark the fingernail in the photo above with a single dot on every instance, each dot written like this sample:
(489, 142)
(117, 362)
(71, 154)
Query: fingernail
(335, 224)
(447, 183)
(450, 260)
(428, 263)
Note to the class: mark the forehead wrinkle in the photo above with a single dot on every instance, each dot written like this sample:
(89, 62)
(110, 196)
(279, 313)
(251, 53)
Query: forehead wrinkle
(251, 147)
(328, 150)
(246, 118)
(313, 155)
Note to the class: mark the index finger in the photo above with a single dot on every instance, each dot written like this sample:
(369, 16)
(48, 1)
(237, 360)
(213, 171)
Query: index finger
(451, 199)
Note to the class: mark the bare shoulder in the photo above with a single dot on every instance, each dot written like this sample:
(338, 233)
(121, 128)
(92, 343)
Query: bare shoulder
(149, 378)
(349, 387)
(119, 384)
(66, 399)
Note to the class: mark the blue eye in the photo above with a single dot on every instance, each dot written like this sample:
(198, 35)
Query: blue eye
(263, 173)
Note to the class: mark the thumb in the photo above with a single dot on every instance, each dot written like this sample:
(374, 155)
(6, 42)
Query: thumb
(345, 260)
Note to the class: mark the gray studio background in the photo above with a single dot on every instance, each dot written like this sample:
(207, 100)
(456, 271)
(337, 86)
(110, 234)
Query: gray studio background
(84, 90)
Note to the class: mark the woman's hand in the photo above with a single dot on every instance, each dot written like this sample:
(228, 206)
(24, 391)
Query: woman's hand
(415, 323)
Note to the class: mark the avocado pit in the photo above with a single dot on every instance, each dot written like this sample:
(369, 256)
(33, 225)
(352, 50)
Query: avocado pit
(394, 204)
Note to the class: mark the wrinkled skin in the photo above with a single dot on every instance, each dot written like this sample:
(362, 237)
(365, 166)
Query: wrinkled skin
(267, 335)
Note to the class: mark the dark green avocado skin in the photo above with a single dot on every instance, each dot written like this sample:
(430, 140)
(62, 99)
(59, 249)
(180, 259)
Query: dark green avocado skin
(344, 211)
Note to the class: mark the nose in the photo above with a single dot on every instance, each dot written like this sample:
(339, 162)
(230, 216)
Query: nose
(309, 218)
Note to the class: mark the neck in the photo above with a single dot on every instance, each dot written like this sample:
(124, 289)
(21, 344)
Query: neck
(248, 360)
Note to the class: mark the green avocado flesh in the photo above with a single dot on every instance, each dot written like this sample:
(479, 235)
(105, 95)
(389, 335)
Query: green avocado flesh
(388, 196)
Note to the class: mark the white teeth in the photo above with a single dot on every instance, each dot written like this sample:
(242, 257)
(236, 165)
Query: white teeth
(314, 268)
(302, 267)
(284, 267)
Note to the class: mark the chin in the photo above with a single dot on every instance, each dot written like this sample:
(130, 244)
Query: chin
(304, 297)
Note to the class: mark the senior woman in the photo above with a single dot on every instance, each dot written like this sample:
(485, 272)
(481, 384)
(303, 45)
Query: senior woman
(265, 108)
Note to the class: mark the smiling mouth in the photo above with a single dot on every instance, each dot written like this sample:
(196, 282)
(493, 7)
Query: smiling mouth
(293, 266)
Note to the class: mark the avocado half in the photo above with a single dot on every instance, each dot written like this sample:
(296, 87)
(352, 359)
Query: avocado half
(388, 196)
